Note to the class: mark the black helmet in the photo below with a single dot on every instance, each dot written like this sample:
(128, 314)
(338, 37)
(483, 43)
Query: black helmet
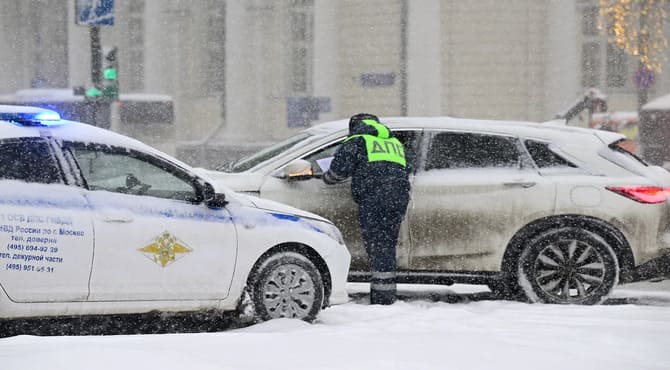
(357, 118)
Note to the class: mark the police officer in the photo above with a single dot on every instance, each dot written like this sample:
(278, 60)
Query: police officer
(376, 162)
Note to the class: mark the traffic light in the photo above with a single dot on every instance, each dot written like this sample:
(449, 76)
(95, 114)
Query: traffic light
(110, 89)
(93, 93)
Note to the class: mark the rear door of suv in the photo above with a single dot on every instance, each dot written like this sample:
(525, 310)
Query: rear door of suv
(472, 192)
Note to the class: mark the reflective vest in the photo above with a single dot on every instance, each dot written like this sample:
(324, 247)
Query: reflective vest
(382, 147)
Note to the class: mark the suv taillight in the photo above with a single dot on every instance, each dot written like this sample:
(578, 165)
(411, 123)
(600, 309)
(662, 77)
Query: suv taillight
(642, 194)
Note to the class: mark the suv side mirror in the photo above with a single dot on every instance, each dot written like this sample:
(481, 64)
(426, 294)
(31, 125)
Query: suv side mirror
(212, 198)
(299, 169)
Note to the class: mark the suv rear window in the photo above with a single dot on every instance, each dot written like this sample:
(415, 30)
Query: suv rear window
(28, 160)
(544, 157)
(617, 153)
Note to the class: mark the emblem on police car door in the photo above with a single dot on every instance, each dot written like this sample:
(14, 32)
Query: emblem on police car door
(165, 249)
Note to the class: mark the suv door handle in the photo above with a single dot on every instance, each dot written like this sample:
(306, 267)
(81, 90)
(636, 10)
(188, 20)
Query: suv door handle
(520, 184)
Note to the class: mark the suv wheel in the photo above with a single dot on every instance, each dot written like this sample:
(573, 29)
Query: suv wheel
(287, 284)
(569, 266)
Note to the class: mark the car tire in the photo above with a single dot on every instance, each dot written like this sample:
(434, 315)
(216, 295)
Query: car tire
(287, 284)
(506, 288)
(568, 266)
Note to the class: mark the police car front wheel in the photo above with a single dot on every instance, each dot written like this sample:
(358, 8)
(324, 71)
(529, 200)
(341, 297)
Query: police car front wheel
(287, 284)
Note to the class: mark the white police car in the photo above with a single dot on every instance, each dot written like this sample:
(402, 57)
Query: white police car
(92, 222)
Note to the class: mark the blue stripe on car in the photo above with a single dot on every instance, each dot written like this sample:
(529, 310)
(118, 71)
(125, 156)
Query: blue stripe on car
(261, 217)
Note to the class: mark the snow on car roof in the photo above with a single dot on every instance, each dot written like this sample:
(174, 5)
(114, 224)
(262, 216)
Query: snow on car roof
(521, 128)
(78, 131)
(73, 131)
(87, 133)
(70, 130)
(662, 103)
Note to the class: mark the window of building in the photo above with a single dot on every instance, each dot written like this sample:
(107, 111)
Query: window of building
(590, 20)
(135, 53)
(300, 23)
(617, 66)
(45, 41)
(603, 64)
(591, 64)
(215, 49)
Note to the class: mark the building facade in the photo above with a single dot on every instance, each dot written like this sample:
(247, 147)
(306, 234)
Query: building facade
(245, 73)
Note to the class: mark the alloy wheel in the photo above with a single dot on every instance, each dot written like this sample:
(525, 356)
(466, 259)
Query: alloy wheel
(289, 291)
(569, 270)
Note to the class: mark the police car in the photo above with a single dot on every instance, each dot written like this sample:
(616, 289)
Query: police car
(92, 222)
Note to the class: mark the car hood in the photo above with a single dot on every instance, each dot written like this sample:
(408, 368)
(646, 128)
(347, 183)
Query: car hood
(242, 182)
(250, 182)
(276, 207)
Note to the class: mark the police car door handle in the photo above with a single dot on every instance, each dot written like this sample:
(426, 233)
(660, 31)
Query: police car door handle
(519, 184)
(116, 216)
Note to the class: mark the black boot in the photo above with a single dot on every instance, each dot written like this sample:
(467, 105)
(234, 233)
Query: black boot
(384, 297)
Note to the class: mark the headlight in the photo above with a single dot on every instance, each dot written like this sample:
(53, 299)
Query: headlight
(327, 228)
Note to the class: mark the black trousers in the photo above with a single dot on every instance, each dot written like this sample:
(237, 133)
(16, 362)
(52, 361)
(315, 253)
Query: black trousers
(380, 216)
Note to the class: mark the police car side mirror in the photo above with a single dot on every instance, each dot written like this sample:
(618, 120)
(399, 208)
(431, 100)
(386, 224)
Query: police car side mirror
(212, 198)
(299, 169)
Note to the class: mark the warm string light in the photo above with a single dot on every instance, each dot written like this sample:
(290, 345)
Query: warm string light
(636, 26)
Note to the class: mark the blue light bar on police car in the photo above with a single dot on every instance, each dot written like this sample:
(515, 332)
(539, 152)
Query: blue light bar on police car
(29, 116)
(48, 116)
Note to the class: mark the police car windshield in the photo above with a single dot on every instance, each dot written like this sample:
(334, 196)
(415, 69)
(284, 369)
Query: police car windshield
(263, 155)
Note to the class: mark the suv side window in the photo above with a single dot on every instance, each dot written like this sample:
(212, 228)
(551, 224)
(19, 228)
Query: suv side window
(544, 157)
(125, 171)
(469, 150)
(408, 138)
(28, 160)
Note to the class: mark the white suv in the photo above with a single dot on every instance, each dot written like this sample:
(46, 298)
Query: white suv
(555, 213)
(92, 222)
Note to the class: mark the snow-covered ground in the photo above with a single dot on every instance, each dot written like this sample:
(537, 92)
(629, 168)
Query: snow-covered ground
(425, 330)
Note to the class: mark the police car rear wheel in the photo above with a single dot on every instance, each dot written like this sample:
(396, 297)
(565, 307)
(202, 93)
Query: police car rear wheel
(287, 285)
